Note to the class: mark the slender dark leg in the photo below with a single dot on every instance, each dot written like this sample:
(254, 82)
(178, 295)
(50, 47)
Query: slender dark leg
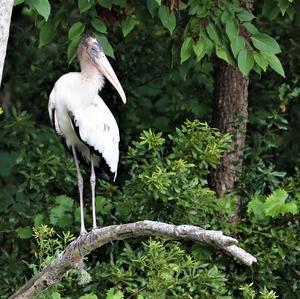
(80, 188)
(93, 184)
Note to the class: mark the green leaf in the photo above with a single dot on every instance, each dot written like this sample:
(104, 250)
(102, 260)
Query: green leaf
(222, 54)
(232, 29)
(275, 64)
(152, 6)
(1, 110)
(65, 201)
(237, 45)
(105, 3)
(213, 34)
(270, 10)
(99, 25)
(114, 294)
(275, 202)
(47, 33)
(283, 5)
(71, 53)
(186, 50)
(107, 48)
(24, 232)
(76, 30)
(245, 61)
(226, 16)
(250, 28)
(17, 2)
(38, 220)
(245, 16)
(128, 25)
(256, 207)
(167, 18)
(265, 43)
(85, 5)
(41, 6)
(199, 50)
(290, 208)
(89, 296)
(261, 60)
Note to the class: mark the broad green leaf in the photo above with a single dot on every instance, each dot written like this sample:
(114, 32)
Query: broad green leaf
(213, 34)
(275, 64)
(119, 2)
(76, 30)
(167, 18)
(107, 48)
(261, 60)
(41, 6)
(24, 232)
(290, 208)
(17, 2)
(265, 43)
(186, 50)
(89, 296)
(199, 50)
(245, 16)
(38, 220)
(222, 54)
(283, 5)
(99, 25)
(85, 5)
(270, 10)
(152, 6)
(208, 44)
(237, 45)
(1, 110)
(158, 2)
(245, 61)
(275, 202)
(65, 201)
(105, 3)
(250, 27)
(226, 16)
(232, 29)
(114, 294)
(128, 25)
(47, 32)
(256, 207)
(71, 53)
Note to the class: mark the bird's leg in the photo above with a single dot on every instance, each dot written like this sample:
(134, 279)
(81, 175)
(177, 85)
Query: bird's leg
(80, 188)
(93, 184)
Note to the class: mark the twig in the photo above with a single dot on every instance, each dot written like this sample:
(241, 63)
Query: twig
(72, 256)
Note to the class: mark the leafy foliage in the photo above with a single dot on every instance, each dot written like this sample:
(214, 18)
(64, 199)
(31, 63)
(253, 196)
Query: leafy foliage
(164, 53)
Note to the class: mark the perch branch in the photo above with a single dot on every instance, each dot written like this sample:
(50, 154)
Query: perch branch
(72, 258)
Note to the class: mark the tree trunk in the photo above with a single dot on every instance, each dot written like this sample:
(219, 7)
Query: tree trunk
(5, 16)
(230, 115)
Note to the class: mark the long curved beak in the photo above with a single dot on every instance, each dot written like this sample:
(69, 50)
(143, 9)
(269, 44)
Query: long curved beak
(106, 69)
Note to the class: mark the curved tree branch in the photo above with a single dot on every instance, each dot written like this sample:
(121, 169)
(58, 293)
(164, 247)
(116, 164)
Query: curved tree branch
(72, 256)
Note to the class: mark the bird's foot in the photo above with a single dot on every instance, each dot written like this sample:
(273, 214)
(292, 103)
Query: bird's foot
(78, 243)
(93, 235)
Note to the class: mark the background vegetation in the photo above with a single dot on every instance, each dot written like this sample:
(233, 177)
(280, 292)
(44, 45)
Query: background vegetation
(164, 54)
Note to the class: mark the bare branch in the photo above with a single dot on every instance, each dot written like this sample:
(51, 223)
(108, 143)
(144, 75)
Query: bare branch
(72, 258)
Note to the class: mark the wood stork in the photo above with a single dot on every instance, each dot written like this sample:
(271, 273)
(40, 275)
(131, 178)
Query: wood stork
(82, 120)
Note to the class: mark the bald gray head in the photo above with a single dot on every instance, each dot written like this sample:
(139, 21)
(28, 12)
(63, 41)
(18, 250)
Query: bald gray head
(93, 60)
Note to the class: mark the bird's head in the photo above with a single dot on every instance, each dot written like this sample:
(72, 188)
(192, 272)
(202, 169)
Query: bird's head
(90, 53)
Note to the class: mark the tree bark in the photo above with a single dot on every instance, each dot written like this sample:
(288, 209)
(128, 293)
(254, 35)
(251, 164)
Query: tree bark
(6, 7)
(230, 115)
(72, 256)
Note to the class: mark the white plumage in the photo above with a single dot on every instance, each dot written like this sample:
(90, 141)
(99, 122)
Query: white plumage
(82, 119)
(77, 95)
